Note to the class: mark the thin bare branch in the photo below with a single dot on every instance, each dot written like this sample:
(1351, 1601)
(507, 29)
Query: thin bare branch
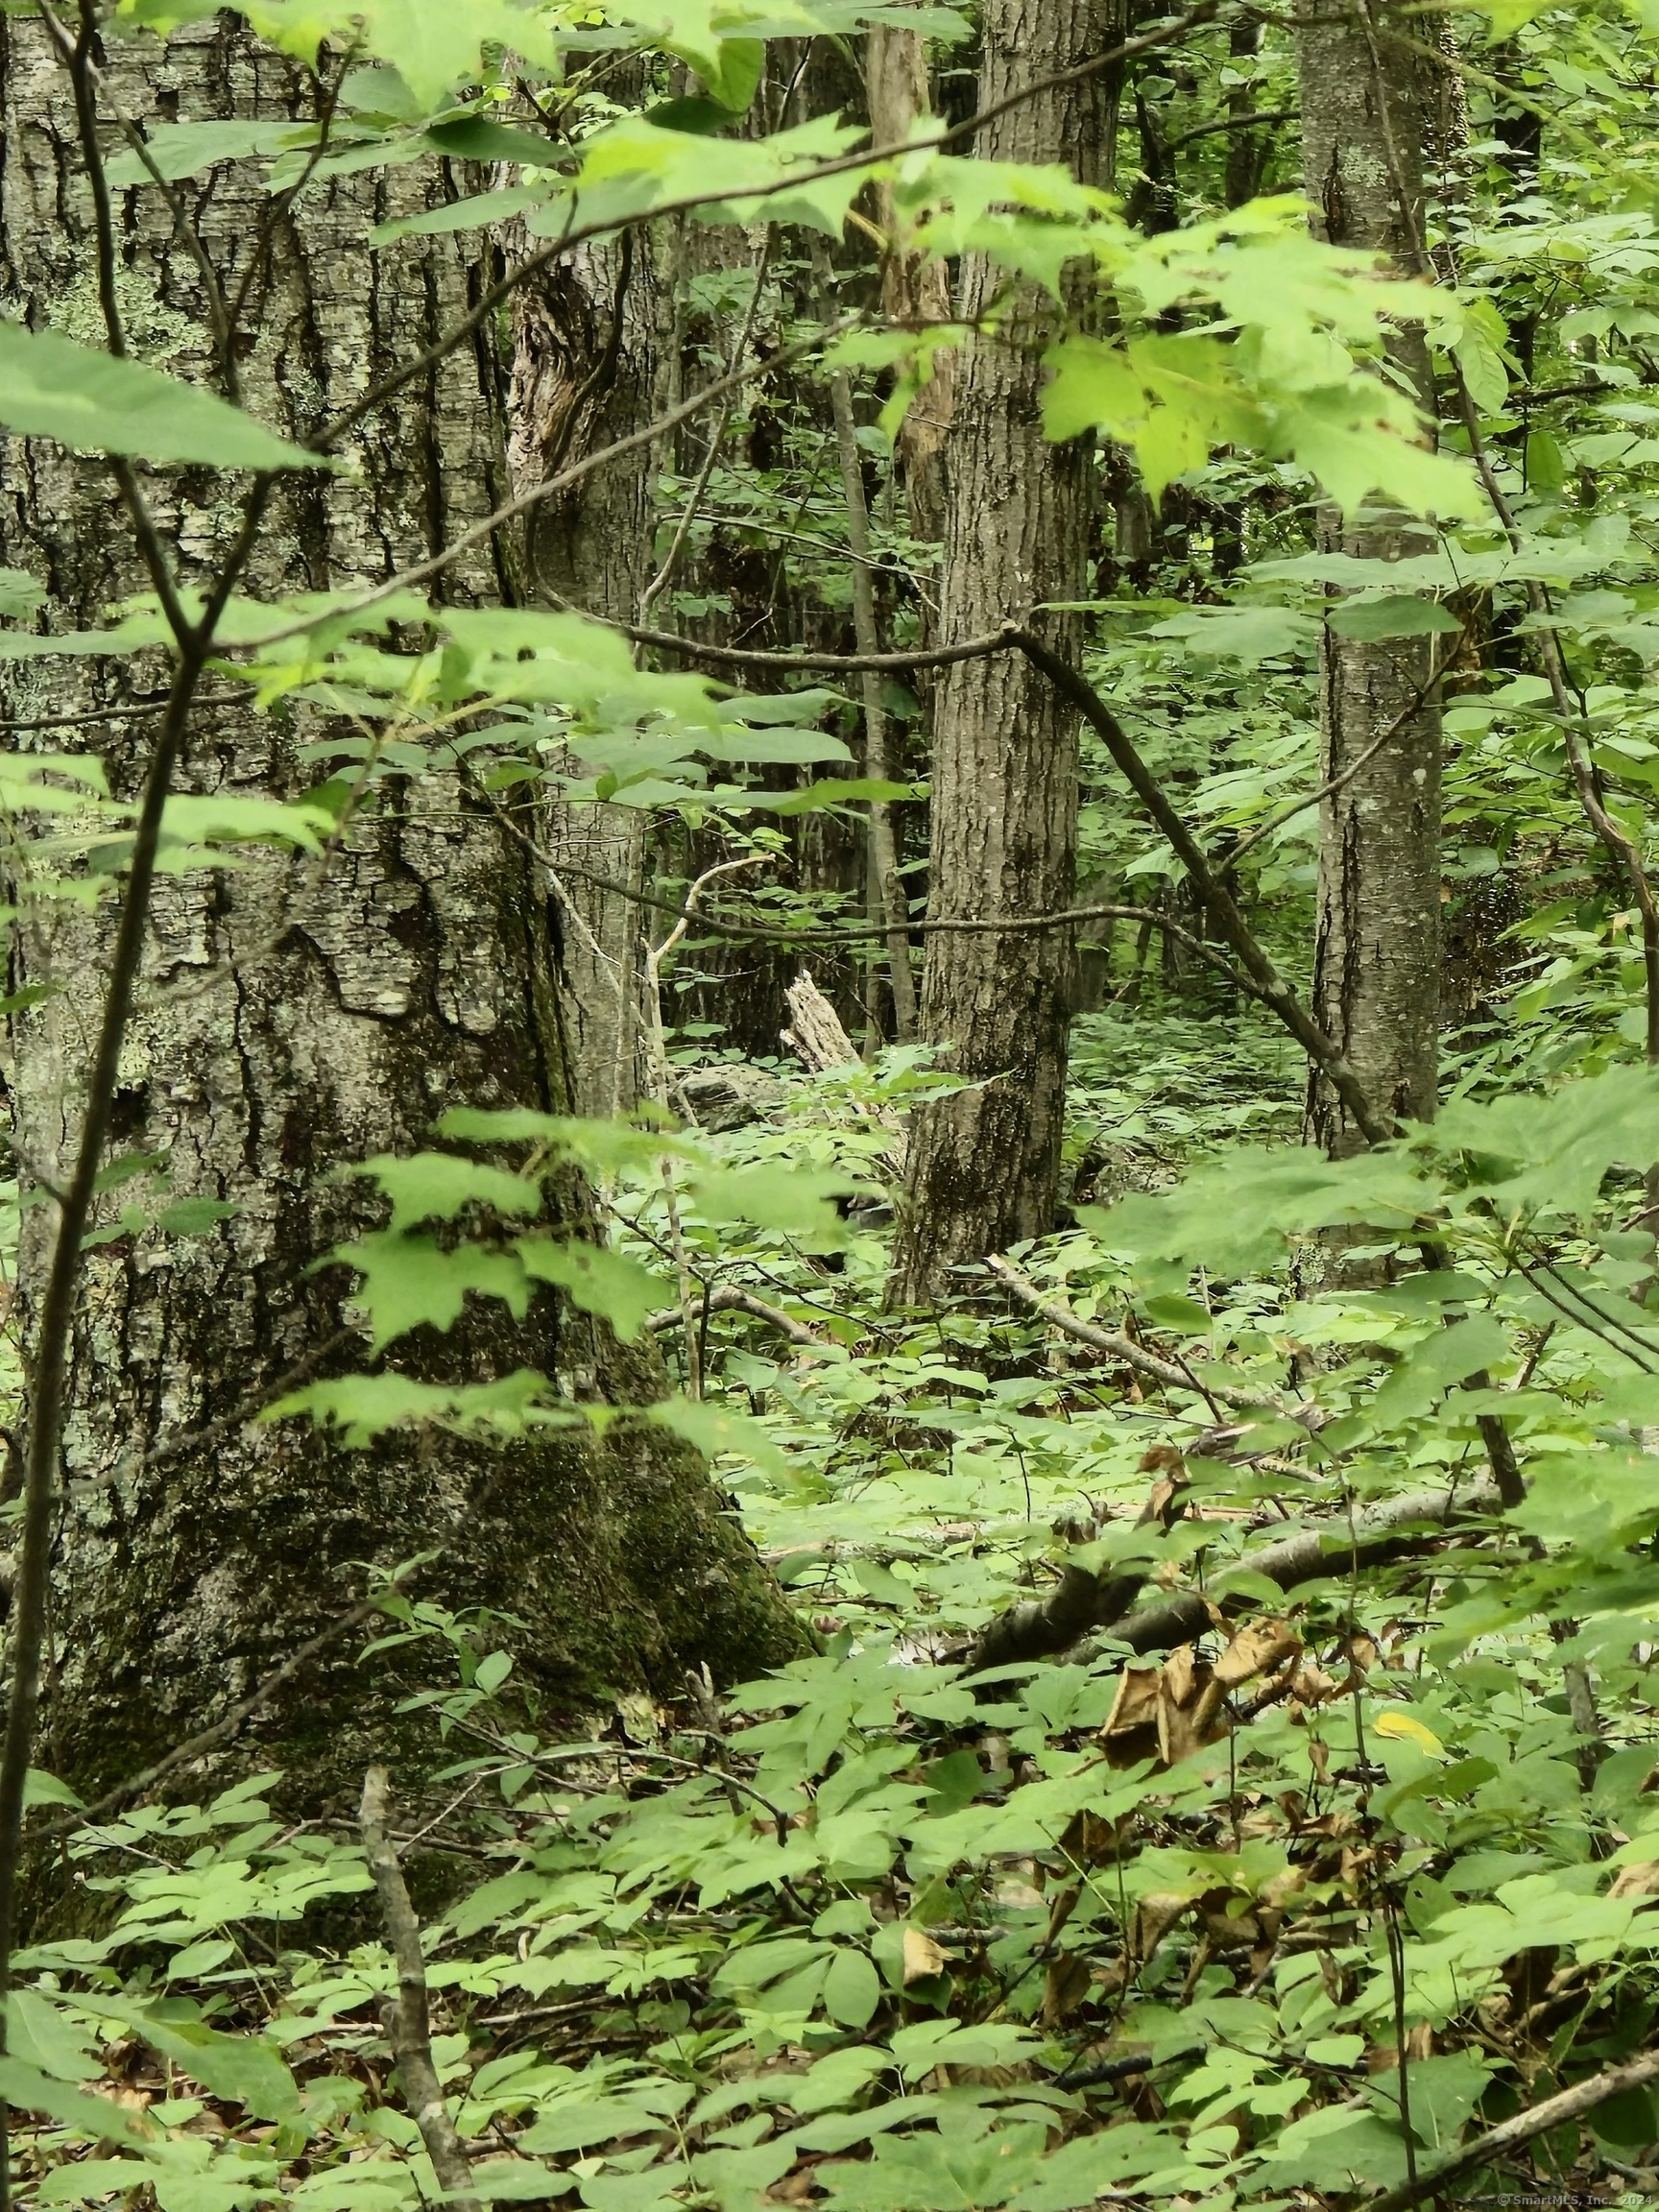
(407, 2017)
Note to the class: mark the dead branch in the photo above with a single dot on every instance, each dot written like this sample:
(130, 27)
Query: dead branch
(1082, 1604)
(1510, 2134)
(407, 2016)
(732, 1298)
(1123, 1349)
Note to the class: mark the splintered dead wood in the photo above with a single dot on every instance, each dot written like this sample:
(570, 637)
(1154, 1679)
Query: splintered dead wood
(819, 1042)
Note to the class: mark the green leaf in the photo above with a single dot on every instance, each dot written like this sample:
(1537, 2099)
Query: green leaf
(194, 1216)
(42, 1788)
(735, 73)
(436, 47)
(94, 2119)
(232, 819)
(712, 1429)
(816, 798)
(243, 2069)
(1439, 1361)
(50, 386)
(1546, 467)
(797, 1201)
(1399, 614)
(1484, 370)
(20, 594)
(437, 1186)
(1245, 633)
(364, 1406)
(476, 213)
(852, 1990)
(39, 2033)
(475, 138)
(598, 1280)
(185, 149)
(411, 1283)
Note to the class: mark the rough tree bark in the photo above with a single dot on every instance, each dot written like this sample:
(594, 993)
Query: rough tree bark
(984, 1163)
(587, 370)
(913, 291)
(293, 1017)
(1366, 113)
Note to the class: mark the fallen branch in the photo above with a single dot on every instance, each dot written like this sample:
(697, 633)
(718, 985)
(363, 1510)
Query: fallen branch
(731, 1298)
(1123, 1349)
(1371, 1539)
(407, 2016)
(1082, 1604)
(1510, 2134)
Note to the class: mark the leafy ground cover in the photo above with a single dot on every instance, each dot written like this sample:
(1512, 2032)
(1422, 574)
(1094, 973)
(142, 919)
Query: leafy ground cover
(1130, 1913)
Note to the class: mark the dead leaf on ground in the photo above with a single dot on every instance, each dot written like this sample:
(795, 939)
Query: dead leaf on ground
(1066, 1986)
(1154, 1917)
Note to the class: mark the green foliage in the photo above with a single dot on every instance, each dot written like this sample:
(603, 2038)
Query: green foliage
(50, 386)
(869, 1927)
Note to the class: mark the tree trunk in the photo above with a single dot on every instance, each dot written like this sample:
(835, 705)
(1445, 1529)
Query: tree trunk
(913, 291)
(293, 1016)
(984, 1163)
(585, 372)
(1366, 110)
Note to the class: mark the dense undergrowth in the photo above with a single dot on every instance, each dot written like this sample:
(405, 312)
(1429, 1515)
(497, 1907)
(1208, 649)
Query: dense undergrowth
(888, 1933)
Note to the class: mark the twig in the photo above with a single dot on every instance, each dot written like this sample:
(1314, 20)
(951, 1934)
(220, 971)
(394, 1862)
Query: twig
(407, 2016)
(733, 1298)
(1257, 121)
(1116, 1346)
(1221, 905)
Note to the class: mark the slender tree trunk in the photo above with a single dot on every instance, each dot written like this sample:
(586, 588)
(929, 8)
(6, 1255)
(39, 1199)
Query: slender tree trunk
(294, 1017)
(983, 1164)
(914, 292)
(586, 370)
(1366, 113)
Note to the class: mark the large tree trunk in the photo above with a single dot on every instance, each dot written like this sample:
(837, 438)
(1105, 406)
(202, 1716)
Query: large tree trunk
(984, 1163)
(1366, 113)
(293, 1017)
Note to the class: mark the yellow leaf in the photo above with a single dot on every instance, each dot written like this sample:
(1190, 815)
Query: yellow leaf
(922, 1956)
(1408, 1726)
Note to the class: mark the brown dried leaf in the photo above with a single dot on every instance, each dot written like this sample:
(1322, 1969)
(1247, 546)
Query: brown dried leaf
(1642, 1881)
(1256, 1646)
(1136, 1704)
(1091, 1839)
(1154, 1917)
(1066, 1986)
(1188, 1707)
(1313, 1686)
(1182, 1672)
